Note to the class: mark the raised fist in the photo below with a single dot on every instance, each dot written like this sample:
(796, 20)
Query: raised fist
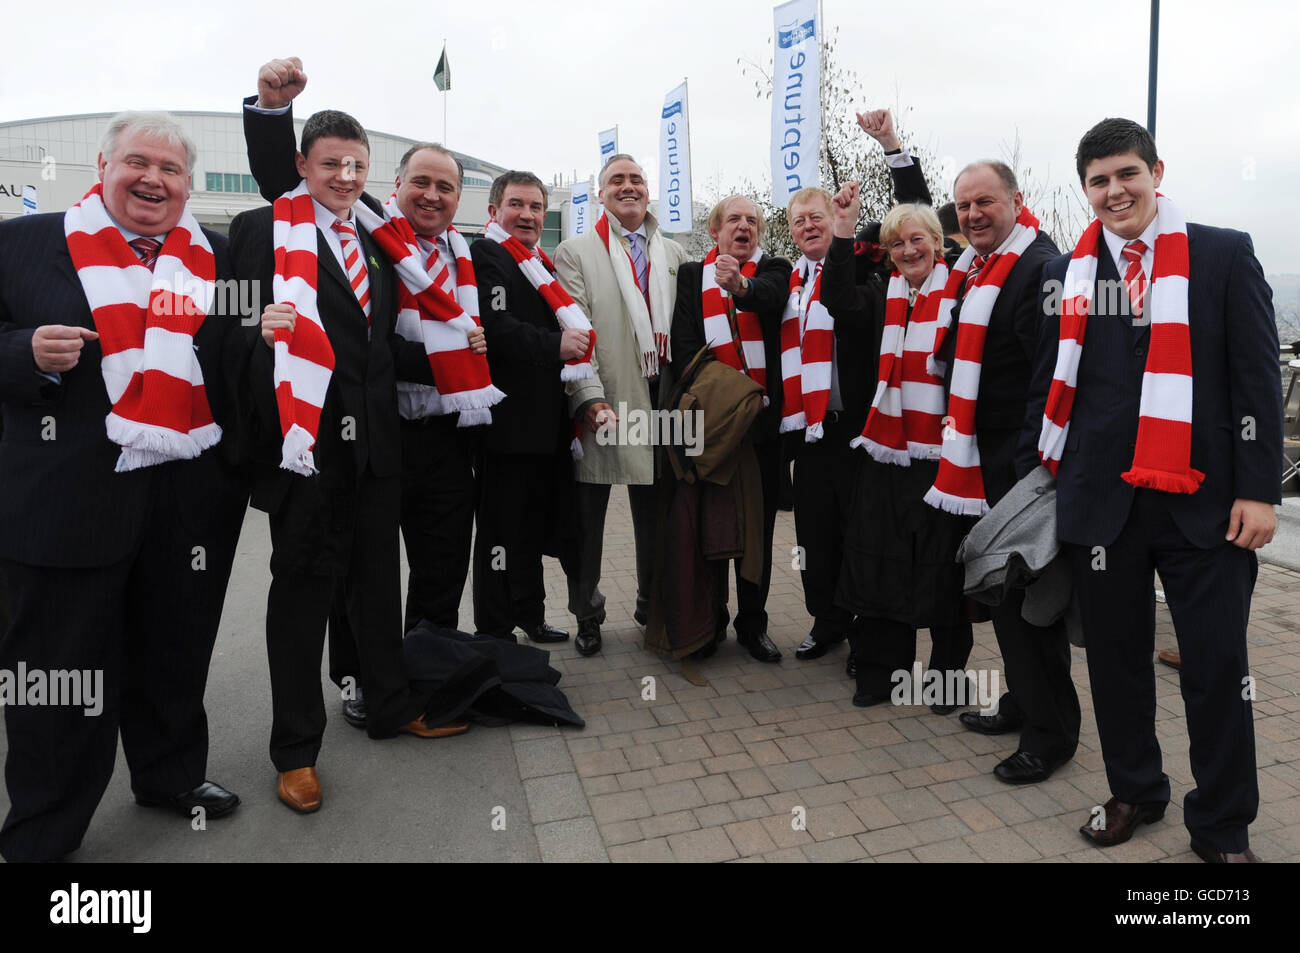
(879, 125)
(279, 81)
(846, 206)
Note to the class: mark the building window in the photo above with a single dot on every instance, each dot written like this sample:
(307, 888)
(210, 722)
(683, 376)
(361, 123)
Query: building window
(214, 181)
(232, 182)
(250, 185)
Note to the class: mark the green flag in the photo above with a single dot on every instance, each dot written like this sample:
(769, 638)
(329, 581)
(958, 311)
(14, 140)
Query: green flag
(442, 74)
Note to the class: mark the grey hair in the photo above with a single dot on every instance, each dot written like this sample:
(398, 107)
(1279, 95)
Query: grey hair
(155, 125)
(600, 179)
(1002, 170)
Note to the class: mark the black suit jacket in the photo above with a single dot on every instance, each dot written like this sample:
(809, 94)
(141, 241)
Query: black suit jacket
(1009, 348)
(63, 503)
(271, 150)
(359, 422)
(768, 292)
(523, 339)
(1234, 377)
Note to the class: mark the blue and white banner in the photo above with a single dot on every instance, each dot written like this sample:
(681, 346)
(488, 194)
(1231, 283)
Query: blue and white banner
(796, 113)
(675, 164)
(580, 209)
(608, 145)
(29, 200)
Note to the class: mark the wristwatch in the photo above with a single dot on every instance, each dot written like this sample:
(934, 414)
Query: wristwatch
(744, 285)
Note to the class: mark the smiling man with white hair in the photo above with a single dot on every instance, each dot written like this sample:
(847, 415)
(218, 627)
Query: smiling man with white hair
(113, 347)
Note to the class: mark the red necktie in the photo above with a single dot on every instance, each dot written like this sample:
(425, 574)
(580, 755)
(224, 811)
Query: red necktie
(974, 271)
(354, 265)
(147, 249)
(1135, 279)
(437, 267)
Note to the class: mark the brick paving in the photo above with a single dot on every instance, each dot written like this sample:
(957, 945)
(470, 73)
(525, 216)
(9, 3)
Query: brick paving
(724, 772)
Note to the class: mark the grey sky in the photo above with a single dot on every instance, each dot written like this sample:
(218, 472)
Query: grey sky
(534, 82)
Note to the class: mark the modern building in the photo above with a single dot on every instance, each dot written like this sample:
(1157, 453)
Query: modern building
(57, 156)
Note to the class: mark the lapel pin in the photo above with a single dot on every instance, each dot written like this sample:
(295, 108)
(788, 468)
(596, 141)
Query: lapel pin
(373, 262)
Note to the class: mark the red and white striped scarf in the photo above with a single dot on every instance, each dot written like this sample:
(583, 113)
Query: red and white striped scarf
(304, 357)
(427, 313)
(742, 350)
(539, 271)
(807, 350)
(1162, 457)
(146, 323)
(959, 484)
(906, 418)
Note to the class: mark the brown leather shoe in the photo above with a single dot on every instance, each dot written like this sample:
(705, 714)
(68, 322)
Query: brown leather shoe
(1212, 855)
(1172, 659)
(421, 730)
(1122, 819)
(300, 789)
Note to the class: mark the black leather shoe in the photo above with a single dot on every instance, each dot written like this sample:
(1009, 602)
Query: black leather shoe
(943, 709)
(640, 618)
(354, 710)
(998, 724)
(851, 666)
(813, 647)
(1025, 768)
(760, 647)
(542, 632)
(588, 640)
(215, 800)
(866, 699)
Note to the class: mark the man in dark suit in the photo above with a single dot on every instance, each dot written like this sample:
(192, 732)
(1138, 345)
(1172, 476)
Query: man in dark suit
(1041, 701)
(526, 498)
(110, 571)
(333, 533)
(438, 486)
(1195, 297)
(736, 224)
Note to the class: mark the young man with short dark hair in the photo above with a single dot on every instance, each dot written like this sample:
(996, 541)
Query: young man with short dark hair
(1162, 424)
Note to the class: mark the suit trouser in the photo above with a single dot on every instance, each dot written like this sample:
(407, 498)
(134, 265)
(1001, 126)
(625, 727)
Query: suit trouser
(885, 646)
(823, 491)
(297, 607)
(1208, 592)
(1041, 693)
(516, 496)
(586, 601)
(751, 598)
(148, 623)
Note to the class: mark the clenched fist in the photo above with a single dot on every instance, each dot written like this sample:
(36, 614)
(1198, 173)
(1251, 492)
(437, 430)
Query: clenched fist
(57, 347)
(276, 316)
(279, 81)
(879, 125)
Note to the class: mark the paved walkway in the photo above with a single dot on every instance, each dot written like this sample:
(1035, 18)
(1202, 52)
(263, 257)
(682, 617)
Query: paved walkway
(697, 773)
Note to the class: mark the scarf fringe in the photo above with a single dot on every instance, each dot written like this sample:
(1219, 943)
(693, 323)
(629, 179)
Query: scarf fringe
(474, 418)
(957, 505)
(793, 422)
(297, 455)
(1163, 480)
(882, 454)
(577, 372)
(471, 400)
(814, 433)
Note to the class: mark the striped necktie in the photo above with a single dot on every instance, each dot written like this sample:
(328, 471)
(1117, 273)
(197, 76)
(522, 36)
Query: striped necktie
(439, 255)
(1135, 279)
(354, 265)
(638, 261)
(147, 249)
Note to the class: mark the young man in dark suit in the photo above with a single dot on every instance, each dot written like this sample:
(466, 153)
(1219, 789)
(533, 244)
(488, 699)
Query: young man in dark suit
(115, 572)
(736, 224)
(333, 533)
(1041, 702)
(1167, 454)
(525, 473)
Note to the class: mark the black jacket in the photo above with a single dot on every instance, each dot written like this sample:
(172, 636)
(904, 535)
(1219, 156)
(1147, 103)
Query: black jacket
(523, 340)
(63, 503)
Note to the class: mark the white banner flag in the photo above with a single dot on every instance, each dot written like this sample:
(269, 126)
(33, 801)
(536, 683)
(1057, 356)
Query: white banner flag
(580, 217)
(796, 115)
(608, 145)
(29, 200)
(675, 164)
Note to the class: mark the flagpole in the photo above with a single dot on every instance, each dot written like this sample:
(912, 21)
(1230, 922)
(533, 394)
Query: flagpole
(444, 101)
